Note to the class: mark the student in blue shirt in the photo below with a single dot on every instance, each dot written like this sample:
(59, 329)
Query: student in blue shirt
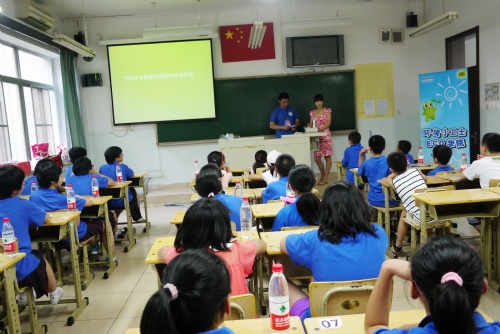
(29, 180)
(114, 156)
(195, 297)
(32, 270)
(351, 155)
(441, 155)
(447, 276)
(405, 147)
(74, 153)
(305, 210)
(284, 163)
(284, 119)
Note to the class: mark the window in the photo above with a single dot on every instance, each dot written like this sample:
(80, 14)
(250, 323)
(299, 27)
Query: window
(28, 103)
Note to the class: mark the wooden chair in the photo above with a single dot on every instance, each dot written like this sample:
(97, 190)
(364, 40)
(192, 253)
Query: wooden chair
(384, 213)
(242, 307)
(494, 183)
(340, 298)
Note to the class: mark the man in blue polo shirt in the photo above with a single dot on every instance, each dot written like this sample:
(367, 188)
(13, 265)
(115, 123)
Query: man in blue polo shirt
(284, 118)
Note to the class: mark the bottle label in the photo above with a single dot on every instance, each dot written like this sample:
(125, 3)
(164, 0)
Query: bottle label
(71, 205)
(95, 192)
(280, 315)
(463, 167)
(119, 178)
(9, 245)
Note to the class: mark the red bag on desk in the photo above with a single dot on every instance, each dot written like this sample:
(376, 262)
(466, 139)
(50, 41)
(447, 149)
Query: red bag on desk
(40, 150)
(24, 165)
(57, 159)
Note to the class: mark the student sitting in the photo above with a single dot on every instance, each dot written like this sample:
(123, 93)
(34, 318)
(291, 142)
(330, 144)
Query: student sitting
(351, 155)
(206, 225)
(375, 169)
(218, 158)
(346, 246)
(405, 147)
(488, 166)
(260, 160)
(447, 276)
(269, 175)
(32, 270)
(305, 210)
(284, 163)
(442, 155)
(404, 180)
(74, 153)
(114, 156)
(194, 299)
(29, 181)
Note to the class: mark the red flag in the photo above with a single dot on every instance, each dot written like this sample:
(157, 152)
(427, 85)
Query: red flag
(234, 43)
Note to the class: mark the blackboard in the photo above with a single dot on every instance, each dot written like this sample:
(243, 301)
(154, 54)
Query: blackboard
(243, 106)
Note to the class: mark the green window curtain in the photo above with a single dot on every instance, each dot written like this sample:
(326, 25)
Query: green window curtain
(71, 104)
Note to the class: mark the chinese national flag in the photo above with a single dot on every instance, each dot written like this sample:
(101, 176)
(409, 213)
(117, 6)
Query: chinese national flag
(234, 43)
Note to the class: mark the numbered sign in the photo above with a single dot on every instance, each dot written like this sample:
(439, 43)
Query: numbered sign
(331, 322)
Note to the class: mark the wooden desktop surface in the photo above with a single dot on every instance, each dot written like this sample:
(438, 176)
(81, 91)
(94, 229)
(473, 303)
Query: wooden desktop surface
(229, 191)
(267, 210)
(7, 261)
(457, 196)
(233, 180)
(273, 239)
(262, 326)
(61, 217)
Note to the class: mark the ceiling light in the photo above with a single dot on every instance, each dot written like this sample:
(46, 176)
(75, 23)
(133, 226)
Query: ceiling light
(433, 24)
(256, 35)
(73, 45)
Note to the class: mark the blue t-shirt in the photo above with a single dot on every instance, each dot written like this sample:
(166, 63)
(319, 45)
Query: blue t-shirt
(279, 116)
(410, 157)
(23, 214)
(110, 171)
(275, 190)
(351, 259)
(351, 160)
(375, 169)
(27, 185)
(69, 172)
(50, 200)
(221, 330)
(426, 326)
(233, 203)
(288, 216)
(438, 169)
(82, 185)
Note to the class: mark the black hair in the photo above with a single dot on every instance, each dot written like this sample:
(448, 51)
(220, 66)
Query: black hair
(397, 162)
(492, 142)
(343, 213)
(318, 97)
(260, 160)
(283, 95)
(203, 285)
(208, 180)
(451, 305)
(215, 157)
(442, 153)
(205, 224)
(76, 152)
(112, 153)
(302, 179)
(284, 163)
(404, 146)
(46, 172)
(377, 144)
(354, 137)
(82, 166)
(11, 179)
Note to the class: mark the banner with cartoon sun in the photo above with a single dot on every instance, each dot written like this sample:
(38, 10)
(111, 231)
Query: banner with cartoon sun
(444, 113)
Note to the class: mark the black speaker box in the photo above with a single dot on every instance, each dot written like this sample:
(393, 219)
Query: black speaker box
(411, 20)
(80, 38)
(91, 80)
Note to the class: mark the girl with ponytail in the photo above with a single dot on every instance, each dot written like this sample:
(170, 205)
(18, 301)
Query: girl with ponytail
(305, 210)
(447, 275)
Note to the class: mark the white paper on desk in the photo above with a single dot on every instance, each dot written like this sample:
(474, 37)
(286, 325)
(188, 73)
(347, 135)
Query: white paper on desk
(383, 106)
(330, 322)
(369, 107)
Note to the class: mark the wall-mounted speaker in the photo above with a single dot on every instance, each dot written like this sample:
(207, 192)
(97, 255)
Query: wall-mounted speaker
(411, 20)
(91, 80)
(385, 36)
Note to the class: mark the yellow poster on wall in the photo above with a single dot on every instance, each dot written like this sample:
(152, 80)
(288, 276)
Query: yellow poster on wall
(374, 90)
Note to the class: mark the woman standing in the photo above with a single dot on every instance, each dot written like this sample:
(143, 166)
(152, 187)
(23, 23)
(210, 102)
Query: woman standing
(321, 117)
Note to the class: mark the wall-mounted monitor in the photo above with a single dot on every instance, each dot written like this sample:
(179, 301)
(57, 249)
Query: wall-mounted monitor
(315, 51)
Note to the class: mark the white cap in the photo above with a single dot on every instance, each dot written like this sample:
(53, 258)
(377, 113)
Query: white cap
(272, 156)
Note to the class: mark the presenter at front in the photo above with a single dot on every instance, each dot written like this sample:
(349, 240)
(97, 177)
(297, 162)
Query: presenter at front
(284, 118)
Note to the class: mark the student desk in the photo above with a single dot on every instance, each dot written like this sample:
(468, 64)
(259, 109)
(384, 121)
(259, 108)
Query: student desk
(232, 182)
(100, 209)
(459, 183)
(178, 218)
(138, 182)
(120, 190)
(238, 171)
(9, 281)
(262, 326)
(424, 168)
(229, 191)
(341, 170)
(268, 210)
(492, 237)
(252, 184)
(62, 226)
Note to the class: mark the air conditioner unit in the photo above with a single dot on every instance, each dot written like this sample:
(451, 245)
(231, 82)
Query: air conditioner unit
(34, 15)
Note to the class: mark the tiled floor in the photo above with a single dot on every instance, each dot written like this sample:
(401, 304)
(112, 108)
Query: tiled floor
(117, 303)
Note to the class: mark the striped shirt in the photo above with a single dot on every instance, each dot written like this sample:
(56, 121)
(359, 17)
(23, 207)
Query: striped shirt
(405, 185)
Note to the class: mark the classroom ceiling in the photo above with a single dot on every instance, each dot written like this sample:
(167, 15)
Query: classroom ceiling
(71, 9)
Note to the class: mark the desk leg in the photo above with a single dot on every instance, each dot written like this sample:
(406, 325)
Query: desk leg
(423, 223)
(110, 241)
(80, 303)
(14, 324)
(131, 240)
(148, 224)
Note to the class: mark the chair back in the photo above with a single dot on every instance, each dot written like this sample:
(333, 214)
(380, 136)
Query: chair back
(242, 307)
(261, 170)
(494, 183)
(340, 298)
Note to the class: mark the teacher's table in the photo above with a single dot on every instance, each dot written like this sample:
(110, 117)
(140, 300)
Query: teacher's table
(8, 277)
(120, 190)
(138, 182)
(341, 170)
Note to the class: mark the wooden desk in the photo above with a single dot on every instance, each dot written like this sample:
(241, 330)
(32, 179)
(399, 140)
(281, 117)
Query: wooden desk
(100, 209)
(9, 280)
(457, 180)
(268, 210)
(424, 168)
(252, 184)
(238, 171)
(229, 191)
(273, 239)
(138, 182)
(232, 182)
(178, 218)
(262, 326)
(120, 190)
(341, 170)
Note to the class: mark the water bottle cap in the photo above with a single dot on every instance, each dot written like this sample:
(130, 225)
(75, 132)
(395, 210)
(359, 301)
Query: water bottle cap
(463, 154)
(245, 199)
(277, 268)
(238, 182)
(93, 176)
(70, 186)
(33, 182)
(6, 220)
(196, 161)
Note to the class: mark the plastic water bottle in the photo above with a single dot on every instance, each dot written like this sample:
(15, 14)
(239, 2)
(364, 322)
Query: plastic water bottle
(289, 191)
(70, 195)
(420, 155)
(463, 162)
(246, 219)
(95, 187)
(34, 187)
(8, 238)
(196, 168)
(238, 189)
(119, 174)
(279, 306)
(408, 165)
